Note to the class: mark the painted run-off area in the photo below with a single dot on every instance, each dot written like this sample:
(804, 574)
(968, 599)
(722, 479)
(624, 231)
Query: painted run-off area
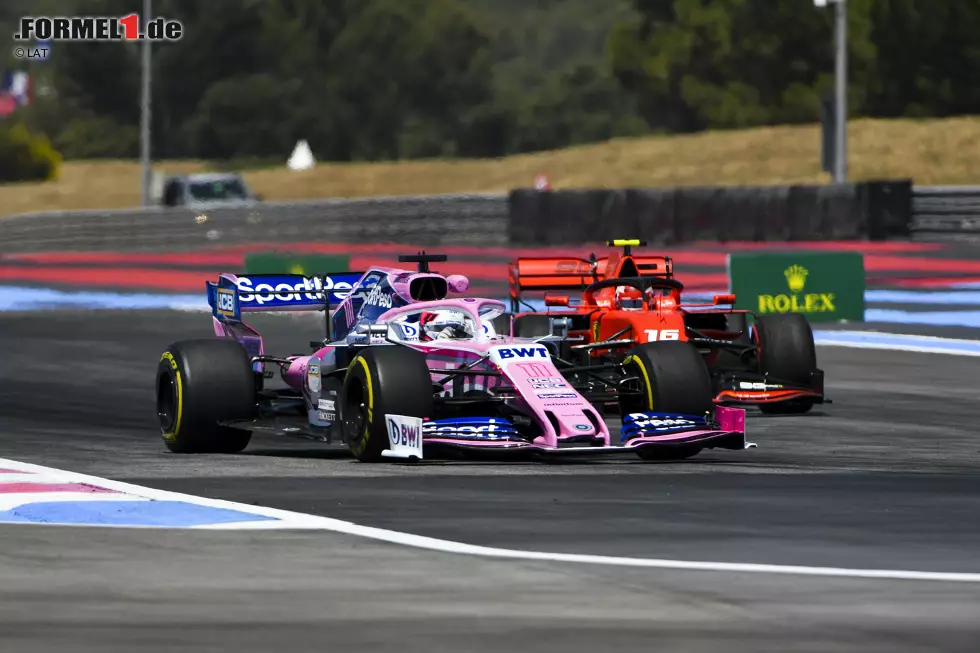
(701, 266)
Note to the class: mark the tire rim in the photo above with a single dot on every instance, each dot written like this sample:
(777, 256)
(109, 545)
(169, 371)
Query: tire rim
(166, 402)
(355, 411)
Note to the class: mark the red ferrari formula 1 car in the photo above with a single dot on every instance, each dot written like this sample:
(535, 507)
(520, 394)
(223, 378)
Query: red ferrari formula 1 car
(627, 299)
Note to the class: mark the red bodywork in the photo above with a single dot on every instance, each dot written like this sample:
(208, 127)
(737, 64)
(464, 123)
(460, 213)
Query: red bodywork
(597, 317)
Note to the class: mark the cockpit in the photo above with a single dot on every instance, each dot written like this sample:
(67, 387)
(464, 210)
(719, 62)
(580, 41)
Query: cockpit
(449, 322)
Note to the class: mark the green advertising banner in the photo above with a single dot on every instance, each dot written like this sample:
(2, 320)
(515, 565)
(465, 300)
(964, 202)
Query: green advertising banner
(823, 286)
(305, 264)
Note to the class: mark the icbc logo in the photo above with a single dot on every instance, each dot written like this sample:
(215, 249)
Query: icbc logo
(226, 301)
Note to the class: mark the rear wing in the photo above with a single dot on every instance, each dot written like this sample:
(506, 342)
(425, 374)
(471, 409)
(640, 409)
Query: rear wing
(551, 273)
(565, 273)
(645, 266)
(233, 295)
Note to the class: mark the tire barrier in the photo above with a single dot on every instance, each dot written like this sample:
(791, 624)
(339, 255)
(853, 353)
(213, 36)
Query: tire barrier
(946, 210)
(874, 210)
(433, 220)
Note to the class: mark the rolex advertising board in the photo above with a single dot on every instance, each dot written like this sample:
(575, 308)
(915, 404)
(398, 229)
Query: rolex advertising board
(823, 286)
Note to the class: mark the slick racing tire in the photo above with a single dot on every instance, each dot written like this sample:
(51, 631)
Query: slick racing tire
(384, 380)
(672, 378)
(199, 384)
(787, 353)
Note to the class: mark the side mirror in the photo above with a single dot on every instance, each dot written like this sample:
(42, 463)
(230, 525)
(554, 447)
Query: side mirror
(458, 283)
(556, 300)
(724, 299)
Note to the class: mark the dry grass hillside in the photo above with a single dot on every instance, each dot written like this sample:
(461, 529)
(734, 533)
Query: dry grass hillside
(928, 151)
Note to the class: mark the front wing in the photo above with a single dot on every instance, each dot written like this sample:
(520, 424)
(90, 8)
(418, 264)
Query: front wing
(747, 389)
(724, 430)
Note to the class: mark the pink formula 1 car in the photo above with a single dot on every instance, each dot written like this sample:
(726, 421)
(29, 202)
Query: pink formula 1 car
(410, 366)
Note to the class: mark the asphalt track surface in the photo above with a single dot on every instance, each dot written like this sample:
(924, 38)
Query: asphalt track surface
(886, 477)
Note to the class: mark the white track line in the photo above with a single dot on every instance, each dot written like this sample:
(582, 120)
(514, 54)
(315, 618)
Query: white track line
(911, 337)
(909, 348)
(293, 520)
(897, 342)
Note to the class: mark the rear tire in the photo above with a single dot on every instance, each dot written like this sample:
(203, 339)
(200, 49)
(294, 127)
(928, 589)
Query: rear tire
(673, 379)
(787, 353)
(201, 383)
(385, 380)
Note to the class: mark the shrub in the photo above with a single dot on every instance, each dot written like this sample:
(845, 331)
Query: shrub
(25, 156)
(98, 138)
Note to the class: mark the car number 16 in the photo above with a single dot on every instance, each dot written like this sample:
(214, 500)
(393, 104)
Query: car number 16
(662, 334)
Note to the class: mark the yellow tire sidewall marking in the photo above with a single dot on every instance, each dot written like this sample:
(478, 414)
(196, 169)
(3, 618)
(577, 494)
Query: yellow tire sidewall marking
(360, 445)
(633, 360)
(167, 356)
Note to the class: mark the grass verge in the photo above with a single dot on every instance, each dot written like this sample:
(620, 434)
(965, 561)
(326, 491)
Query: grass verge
(928, 151)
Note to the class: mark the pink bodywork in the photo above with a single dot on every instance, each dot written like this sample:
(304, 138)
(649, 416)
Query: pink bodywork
(448, 355)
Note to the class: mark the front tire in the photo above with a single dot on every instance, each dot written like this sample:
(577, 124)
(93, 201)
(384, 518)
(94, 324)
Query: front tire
(787, 353)
(384, 380)
(672, 379)
(199, 384)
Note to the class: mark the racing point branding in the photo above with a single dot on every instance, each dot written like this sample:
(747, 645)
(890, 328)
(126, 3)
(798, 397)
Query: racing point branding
(379, 298)
(405, 437)
(306, 290)
(547, 379)
(504, 356)
(403, 434)
(478, 428)
(226, 302)
(522, 352)
(97, 28)
(642, 421)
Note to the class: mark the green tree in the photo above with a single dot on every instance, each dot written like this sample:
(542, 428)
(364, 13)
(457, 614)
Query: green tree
(413, 70)
(928, 58)
(695, 64)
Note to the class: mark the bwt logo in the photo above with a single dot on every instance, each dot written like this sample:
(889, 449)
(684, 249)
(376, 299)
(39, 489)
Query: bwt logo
(403, 434)
(523, 352)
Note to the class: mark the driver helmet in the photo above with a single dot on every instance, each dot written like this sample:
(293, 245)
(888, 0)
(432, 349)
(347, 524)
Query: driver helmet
(444, 325)
(629, 299)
